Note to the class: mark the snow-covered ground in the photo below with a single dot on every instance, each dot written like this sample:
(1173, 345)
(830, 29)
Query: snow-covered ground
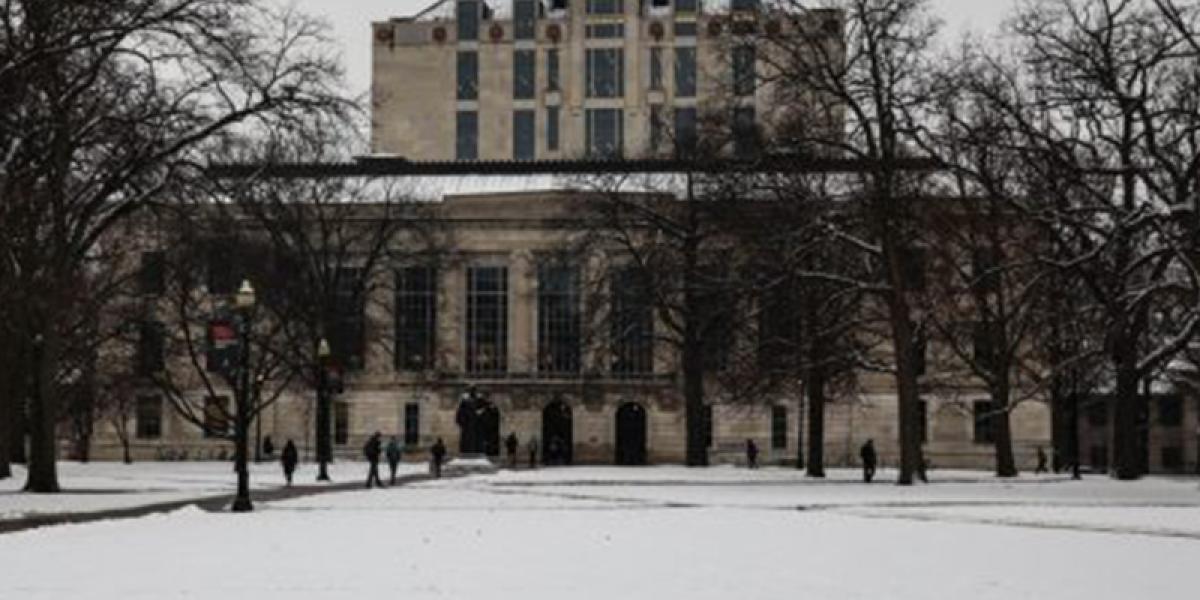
(100, 486)
(644, 533)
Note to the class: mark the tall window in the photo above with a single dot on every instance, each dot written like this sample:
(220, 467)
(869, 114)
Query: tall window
(985, 426)
(605, 7)
(216, 416)
(632, 322)
(605, 72)
(685, 72)
(604, 131)
(150, 348)
(524, 19)
(487, 319)
(341, 422)
(552, 128)
(656, 68)
(685, 130)
(466, 135)
(524, 74)
(468, 20)
(412, 424)
(559, 321)
(416, 318)
(656, 127)
(745, 133)
(552, 69)
(347, 338)
(743, 70)
(149, 417)
(151, 279)
(524, 140)
(468, 75)
(779, 427)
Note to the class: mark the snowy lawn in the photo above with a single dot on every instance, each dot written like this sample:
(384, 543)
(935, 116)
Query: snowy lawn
(644, 533)
(100, 486)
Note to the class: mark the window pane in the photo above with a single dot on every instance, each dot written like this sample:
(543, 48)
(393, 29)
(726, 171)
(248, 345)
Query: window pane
(468, 20)
(603, 131)
(524, 19)
(468, 75)
(685, 130)
(150, 348)
(552, 69)
(605, 7)
(149, 417)
(743, 70)
(412, 424)
(466, 146)
(605, 72)
(559, 321)
(341, 423)
(656, 127)
(632, 323)
(605, 31)
(523, 135)
(347, 338)
(985, 432)
(656, 69)
(779, 427)
(685, 72)
(416, 318)
(151, 278)
(685, 28)
(524, 70)
(745, 132)
(487, 319)
(552, 128)
(685, 5)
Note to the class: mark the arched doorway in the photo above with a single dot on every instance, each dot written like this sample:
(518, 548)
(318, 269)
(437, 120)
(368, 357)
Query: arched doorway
(491, 430)
(631, 434)
(558, 442)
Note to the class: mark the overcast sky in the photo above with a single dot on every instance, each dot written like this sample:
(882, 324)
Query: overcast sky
(351, 21)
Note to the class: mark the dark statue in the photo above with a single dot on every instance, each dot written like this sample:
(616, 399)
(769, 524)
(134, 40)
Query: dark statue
(471, 417)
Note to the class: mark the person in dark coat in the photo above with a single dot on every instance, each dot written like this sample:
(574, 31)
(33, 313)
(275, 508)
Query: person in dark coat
(393, 457)
(1041, 461)
(289, 459)
(438, 452)
(511, 444)
(268, 447)
(751, 454)
(371, 450)
(869, 458)
(532, 448)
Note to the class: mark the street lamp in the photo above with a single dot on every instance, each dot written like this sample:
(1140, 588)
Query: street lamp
(324, 449)
(243, 303)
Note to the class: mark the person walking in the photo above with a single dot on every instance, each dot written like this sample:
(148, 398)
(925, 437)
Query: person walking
(1041, 461)
(289, 459)
(532, 448)
(371, 451)
(511, 445)
(268, 447)
(393, 457)
(438, 453)
(869, 458)
(751, 454)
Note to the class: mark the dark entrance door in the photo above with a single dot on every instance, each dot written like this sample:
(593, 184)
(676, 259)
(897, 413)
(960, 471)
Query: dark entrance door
(631, 434)
(557, 440)
(491, 430)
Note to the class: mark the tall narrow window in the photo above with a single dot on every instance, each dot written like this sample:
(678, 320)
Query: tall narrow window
(552, 128)
(779, 427)
(412, 424)
(632, 323)
(468, 75)
(559, 320)
(745, 132)
(685, 131)
(466, 135)
(341, 423)
(468, 20)
(743, 70)
(524, 140)
(552, 69)
(524, 19)
(151, 279)
(604, 132)
(685, 72)
(416, 318)
(605, 72)
(985, 427)
(150, 348)
(347, 338)
(656, 68)
(524, 74)
(149, 417)
(487, 320)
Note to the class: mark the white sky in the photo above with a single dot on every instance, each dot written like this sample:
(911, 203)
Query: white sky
(351, 21)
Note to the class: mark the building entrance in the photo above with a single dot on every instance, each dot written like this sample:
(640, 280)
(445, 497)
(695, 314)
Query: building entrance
(631, 434)
(557, 434)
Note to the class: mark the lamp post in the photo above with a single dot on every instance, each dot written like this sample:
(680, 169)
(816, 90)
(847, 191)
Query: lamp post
(324, 449)
(244, 302)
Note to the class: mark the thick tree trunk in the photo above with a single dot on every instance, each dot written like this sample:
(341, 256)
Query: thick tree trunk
(43, 417)
(5, 466)
(126, 455)
(693, 398)
(1006, 464)
(1127, 463)
(815, 386)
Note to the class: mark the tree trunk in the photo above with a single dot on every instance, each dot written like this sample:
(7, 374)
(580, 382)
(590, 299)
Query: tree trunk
(43, 417)
(324, 449)
(126, 455)
(1127, 463)
(907, 392)
(693, 398)
(1006, 464)
(815, 386)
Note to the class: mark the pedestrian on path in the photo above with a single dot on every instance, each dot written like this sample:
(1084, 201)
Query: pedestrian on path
(438, 451)
(751, 454)
(371, 451)
(512, 445)
(1041, 461)
(532, 448)
(869, 458)
(289, 459)
(268, 447)
(393, 457)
